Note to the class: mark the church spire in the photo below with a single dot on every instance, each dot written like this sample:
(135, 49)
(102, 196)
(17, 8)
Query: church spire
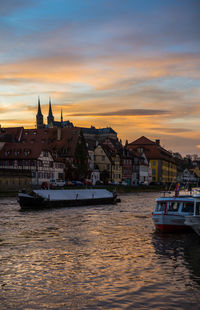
(50, 118)
(39, 113)
(39, 116)
(50, 110)
(61, 117)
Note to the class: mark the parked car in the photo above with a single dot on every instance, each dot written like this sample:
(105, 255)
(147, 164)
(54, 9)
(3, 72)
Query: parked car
(56, 183)
(145, 183)
(115, 183)
(88, 182)
(46, 185)
(99, 182)
(124, 183)
(69, 183)
(77, 183)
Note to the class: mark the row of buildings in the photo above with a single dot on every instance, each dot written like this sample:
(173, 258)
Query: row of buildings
(61, 151)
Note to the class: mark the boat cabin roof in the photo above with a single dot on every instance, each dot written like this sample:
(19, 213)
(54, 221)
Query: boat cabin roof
(179, 198)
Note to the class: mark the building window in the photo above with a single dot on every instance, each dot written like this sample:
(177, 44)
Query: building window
(103, 157)
(26, 152)
(60, 176)
(16, 152)
(45, 154)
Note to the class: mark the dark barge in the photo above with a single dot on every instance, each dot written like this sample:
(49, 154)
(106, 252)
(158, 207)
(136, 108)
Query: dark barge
(42, 199)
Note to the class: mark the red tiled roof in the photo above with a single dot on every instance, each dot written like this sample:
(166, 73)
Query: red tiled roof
(142, 140)
(151, 149)
(20, 151)
(36, 140)
(14, 133)
(48, 137)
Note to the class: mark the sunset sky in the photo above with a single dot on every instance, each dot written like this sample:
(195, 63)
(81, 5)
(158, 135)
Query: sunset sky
(133, 65)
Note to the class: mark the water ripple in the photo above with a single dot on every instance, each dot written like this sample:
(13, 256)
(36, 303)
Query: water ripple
(105, 257)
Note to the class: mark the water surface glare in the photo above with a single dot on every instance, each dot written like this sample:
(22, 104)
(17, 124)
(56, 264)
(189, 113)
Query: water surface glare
(95, 257)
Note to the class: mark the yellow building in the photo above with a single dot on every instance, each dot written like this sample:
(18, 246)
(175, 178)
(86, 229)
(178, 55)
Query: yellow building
(116, 169)
(163, 171)
(164, 168)
(108, 163)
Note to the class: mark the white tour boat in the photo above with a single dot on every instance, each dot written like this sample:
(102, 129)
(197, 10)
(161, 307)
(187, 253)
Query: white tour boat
(170, 211)
(194, 220)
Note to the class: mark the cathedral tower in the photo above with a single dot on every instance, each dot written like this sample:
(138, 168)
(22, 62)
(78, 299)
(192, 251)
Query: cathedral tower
(39, 116)
(61, 117)
(50, 118)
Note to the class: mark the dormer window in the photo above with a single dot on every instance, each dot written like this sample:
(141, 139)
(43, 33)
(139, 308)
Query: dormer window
(140, 150)
(27, 152)
(16, 152)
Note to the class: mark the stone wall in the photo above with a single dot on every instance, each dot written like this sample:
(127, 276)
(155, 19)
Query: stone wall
(14, 180)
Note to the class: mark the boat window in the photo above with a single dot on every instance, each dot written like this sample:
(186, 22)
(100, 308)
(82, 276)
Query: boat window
(198, 208)
(173, 206)
(161, 206)
(188, 207)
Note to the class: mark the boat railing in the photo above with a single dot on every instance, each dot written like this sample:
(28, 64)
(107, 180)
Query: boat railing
(196, 190)
(182, 193)
(164, 193)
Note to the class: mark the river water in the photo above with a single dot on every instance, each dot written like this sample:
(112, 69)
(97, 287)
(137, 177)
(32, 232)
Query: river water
(95, 257)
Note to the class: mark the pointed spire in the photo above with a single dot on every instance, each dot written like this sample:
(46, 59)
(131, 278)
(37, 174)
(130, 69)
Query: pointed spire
(50, 118)
(50, 110)
(39, 113)
(39, 116)
(61, 118)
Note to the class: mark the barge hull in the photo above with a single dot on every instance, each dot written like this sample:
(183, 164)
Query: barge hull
(43, 202)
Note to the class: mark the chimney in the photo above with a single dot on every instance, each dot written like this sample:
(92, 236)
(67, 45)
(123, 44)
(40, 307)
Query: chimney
(158, 142)
(58, 133)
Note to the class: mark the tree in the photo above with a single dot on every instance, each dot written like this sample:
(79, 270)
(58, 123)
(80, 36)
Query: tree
(81, 158)
(105, 176)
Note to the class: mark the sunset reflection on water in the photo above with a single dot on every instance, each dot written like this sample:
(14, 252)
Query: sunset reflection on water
(105, 257)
